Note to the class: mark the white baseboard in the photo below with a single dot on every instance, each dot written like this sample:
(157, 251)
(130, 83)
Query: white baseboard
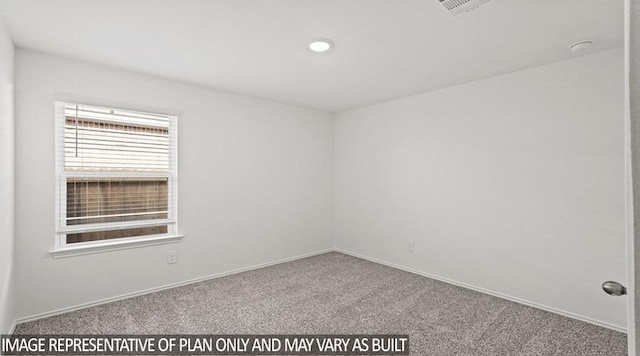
(272, 263)
(487, 291)
(12, 328)
(160, 288)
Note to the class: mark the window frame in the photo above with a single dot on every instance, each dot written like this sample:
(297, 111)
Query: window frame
(64, 249)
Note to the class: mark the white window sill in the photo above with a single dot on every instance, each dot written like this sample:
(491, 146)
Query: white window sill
(85, 249)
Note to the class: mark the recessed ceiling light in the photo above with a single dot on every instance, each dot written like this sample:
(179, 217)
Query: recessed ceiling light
(581, 46)
(320, 45)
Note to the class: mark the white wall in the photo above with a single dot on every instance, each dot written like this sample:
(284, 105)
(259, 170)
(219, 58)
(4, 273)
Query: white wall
(255, 183)
(6, 182)
(513, 184)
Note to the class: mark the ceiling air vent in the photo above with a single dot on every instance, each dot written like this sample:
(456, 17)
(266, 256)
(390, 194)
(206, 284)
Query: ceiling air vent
(458, 7)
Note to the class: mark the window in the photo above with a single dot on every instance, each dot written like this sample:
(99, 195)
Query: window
(116, 175)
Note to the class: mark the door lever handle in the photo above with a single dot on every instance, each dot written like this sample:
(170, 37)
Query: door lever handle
(614, 288)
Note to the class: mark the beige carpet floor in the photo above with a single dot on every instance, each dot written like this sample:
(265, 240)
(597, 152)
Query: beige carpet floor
(338, 294)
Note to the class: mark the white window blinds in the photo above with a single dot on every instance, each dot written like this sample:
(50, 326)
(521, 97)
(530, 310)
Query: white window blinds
(99, 139)
(116, 173)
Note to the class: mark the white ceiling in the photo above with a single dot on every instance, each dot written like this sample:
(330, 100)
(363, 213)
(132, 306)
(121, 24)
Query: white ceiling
(384, 48)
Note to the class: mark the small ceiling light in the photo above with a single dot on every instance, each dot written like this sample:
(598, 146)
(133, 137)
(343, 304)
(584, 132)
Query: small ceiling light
(320, 45)
(581, 46)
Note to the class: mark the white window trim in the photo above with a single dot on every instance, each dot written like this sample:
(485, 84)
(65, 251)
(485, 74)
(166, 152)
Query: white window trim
(91, 247)
(62, 249)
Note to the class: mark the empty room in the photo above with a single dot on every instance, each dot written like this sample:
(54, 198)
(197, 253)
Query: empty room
(319, 177)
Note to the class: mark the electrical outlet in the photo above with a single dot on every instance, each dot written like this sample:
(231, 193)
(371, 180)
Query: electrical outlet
(172, 257)
(410, 246)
